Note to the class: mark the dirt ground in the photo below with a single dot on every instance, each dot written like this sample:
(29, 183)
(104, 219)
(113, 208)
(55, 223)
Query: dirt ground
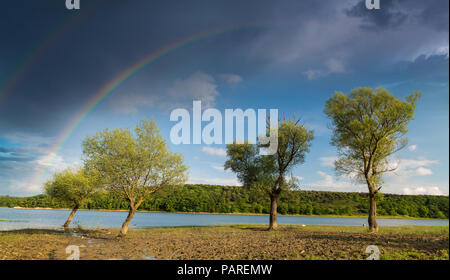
(226, 242)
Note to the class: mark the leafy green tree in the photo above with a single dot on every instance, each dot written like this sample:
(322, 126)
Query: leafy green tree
(134, 165)
(72, 187)
(268, 173)
(368, 127)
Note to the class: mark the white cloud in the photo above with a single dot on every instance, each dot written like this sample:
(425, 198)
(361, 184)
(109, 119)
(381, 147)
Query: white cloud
(218, 167)
(52, 162)
(327, 161)
(328, 183)
(412, 148)
(422, 190)
(181, 93)
(415, 163)
(299, 178)
(406, 168)
(331, 66)
(198, 86)
(214, 181)
(313, 74)
(327, 179)
(231, 78)
(24, 188)
(335, 66)
(442, 50)
(129, 103)
(214, 151)
(422, 171)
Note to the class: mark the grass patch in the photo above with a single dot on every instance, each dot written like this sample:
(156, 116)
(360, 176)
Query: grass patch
(356, 229)
(7, 237)
(403, 256)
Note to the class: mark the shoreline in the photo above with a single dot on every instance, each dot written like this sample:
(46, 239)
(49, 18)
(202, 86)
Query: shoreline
(235, 213)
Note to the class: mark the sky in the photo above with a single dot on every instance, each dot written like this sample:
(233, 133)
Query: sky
(147, 58)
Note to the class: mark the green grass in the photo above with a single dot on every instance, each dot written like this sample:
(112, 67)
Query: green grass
(359, 229)
(351, 229)
(408, 255)
(9, 237)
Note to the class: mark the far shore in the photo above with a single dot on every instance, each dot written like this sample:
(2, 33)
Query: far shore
(235, 213)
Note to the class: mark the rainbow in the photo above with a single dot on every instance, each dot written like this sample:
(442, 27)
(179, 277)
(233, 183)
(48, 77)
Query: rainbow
(107, 89)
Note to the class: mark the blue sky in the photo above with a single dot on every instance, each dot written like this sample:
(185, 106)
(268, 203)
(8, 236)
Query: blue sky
(287, 55)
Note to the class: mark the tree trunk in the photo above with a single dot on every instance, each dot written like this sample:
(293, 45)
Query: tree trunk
(273, 212)
(373, 226)
(126, 224)
(72, 214)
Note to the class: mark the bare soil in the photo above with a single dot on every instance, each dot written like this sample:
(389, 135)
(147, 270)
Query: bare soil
(226, 242)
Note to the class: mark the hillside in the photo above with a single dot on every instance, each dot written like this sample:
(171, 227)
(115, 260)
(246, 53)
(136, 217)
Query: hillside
(223, 199)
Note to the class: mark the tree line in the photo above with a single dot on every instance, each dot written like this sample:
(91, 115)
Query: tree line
(227, 199)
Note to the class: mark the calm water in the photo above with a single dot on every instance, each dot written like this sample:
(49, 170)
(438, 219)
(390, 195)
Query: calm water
(33, 218)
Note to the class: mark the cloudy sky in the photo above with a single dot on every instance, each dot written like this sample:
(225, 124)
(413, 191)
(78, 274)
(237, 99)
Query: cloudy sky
(286, 55)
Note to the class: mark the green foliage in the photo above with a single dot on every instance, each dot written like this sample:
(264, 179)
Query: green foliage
(368, 127)
(72, 186)
(267, 173)
(134, 165)
(222, 199)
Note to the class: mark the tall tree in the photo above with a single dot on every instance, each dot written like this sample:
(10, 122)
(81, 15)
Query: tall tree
(368, 127)
(134, 165)
(73, 187)
(268, 173)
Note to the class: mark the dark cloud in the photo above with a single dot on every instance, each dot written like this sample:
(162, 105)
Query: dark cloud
(78, 52)
(14, 154)
(390, 15)
(394, 13)
(436, 14)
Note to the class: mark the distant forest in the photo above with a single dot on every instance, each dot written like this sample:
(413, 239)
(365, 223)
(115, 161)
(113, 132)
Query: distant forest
(224, 199)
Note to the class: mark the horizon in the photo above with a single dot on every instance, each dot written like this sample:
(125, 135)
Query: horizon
(60, 81)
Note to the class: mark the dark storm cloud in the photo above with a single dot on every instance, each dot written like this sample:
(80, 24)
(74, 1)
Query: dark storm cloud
(85, 49)
(389, 15)
(436, 14)
(393, 13)
(75, 53)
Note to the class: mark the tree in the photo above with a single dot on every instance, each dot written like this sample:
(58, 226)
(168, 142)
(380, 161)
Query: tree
(73, 187)
(267, 173)
(368, 127)
(135, 166)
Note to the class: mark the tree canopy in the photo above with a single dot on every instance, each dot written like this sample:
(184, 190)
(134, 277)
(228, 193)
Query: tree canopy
(73, 186)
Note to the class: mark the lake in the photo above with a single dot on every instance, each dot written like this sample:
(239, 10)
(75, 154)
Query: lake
(40, 218)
